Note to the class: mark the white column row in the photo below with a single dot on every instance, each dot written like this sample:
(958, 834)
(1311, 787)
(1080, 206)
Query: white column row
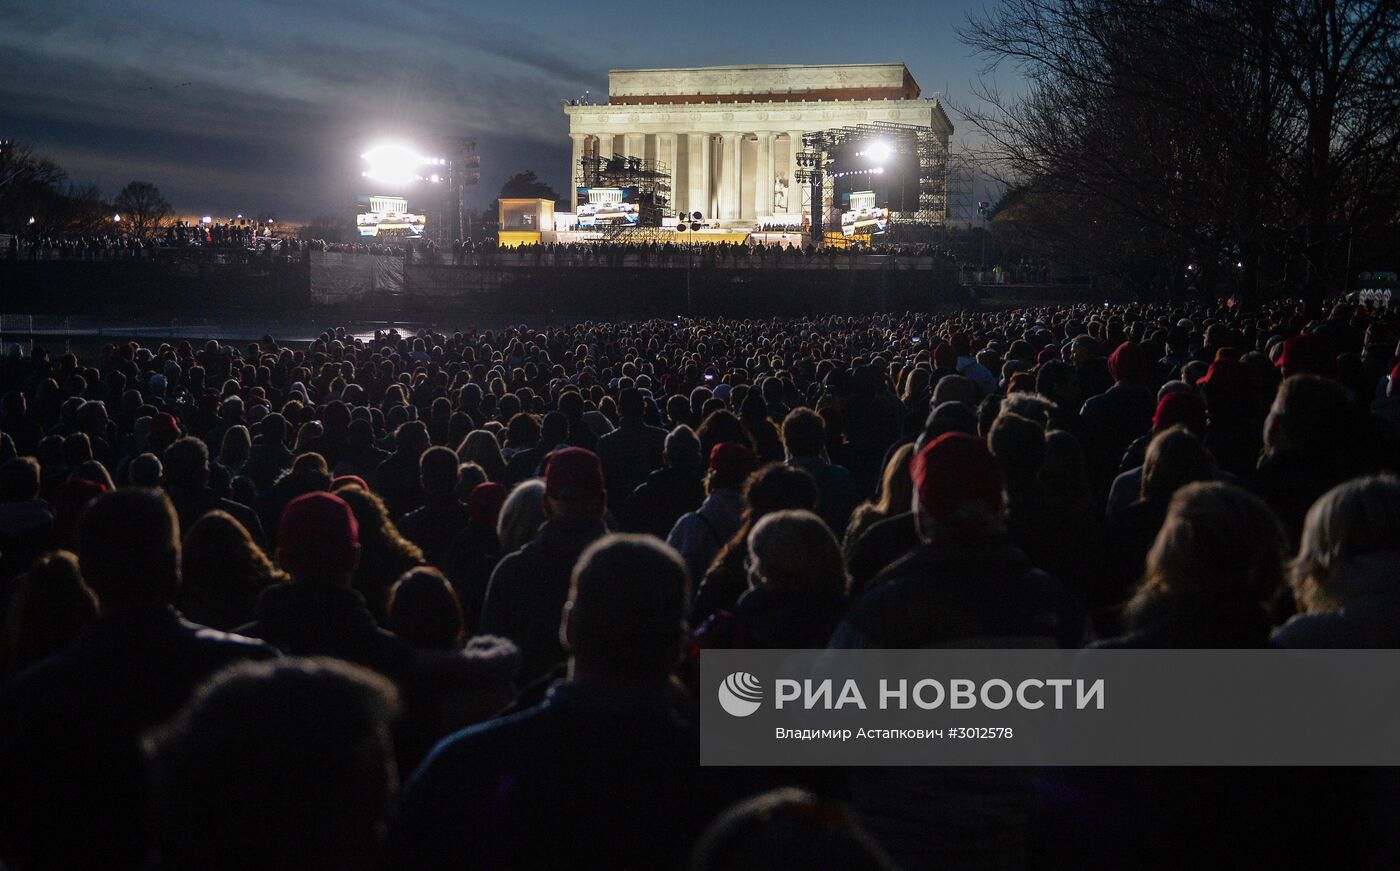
(708, 155)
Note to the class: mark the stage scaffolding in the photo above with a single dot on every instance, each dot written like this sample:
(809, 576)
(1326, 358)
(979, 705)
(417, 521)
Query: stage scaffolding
(815, 161)
(650, 178)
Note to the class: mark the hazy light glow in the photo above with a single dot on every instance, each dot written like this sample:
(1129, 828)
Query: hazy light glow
(879, 151)
(396, 164)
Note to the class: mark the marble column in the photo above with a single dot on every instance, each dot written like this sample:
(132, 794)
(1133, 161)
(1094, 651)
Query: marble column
(794, 197)
(763, 178)
(729, 184)
(704, 203)
(605, 145)
(635, 144)
(580, 145)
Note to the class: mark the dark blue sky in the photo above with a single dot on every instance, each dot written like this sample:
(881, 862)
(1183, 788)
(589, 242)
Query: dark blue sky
(248, 105)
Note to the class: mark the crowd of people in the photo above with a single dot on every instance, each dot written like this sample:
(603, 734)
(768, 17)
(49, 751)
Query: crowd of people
(692, 251)
(437, 600)
(232, 235)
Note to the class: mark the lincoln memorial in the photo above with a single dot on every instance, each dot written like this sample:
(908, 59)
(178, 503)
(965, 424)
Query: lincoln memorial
(729, 136)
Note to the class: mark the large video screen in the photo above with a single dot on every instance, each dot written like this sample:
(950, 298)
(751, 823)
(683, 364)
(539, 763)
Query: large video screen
(888, 167)
(388, 216)
(608, 207)
(861, 217)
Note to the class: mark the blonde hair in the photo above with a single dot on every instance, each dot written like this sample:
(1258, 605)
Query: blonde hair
(1218, 544)
(1175, 457)
(1346, 522)
(896, 494)
(521, 515)
(235, 447)
(796, 552)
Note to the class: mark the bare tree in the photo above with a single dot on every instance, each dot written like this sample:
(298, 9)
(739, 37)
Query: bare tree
(142, 208)
(1236, 137)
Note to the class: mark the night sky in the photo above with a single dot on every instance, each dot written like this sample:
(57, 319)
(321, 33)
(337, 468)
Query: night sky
(252, 106)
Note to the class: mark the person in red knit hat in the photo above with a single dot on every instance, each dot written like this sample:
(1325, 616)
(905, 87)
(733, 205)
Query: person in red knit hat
(942, 592)
(527, 589)
(965, 585)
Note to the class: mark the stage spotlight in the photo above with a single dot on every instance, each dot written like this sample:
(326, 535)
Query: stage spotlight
(394, 164)
(879, 151)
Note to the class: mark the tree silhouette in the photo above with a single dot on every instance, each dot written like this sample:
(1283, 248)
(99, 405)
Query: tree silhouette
(142, 208)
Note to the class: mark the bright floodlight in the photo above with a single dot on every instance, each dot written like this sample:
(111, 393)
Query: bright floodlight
(394, 164)
(879, 151)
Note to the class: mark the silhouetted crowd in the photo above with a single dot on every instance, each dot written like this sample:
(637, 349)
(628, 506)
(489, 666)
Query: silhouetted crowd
(438, 600)
(180, 236)
(687, 253)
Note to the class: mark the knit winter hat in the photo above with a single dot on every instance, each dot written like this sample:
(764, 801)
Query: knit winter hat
(1183, 408)
(318, 534)
(957, 480)
(573, 473)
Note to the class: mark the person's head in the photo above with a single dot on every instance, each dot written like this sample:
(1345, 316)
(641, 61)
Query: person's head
(957, 488)
(187, 464)
(424, 610)
(955, 388)
(129, 548)
(144, 470)
(437, 470)
(795, 552)
(233, 451)
(480, 447)
(896, 487)
(682, 449)
(554, 429)
(411, 438)
(731, 464)
(631, 405)
(804, 433)
(1019, 447)
(623, 622)
(948, 417)
(1129, 364)
(1175, 457)
(1220, 547)
(521, 515)
(787, 829)
(283, 764)
(1344, 526)
(1180, 408)
(219, 555)
(1307, 413)
(318, 539)
(49, 607)
(573, 480)
(19, 480)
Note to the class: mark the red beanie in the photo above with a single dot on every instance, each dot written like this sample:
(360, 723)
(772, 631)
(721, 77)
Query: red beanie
(1127, 362)
(318, 533)
(727, 457)
(951, 472)
(943, 356)
(484, 503)
(348, 481)
(573, 473)
(164, 425)
(1306, 354)
(1225, 376)
(1180, 407)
